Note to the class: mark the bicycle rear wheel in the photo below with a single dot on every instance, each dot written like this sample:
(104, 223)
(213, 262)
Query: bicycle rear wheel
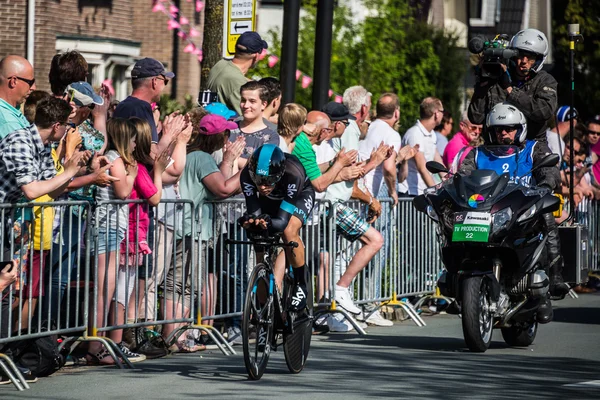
(258, 319)
(296, 342)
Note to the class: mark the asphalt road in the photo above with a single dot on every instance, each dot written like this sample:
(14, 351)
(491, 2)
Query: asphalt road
(399, 362)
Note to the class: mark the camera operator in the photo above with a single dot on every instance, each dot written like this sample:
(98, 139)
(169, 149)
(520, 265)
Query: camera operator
(522, 83)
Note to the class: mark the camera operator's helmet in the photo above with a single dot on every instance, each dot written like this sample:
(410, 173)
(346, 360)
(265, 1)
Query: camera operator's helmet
(266, 165)
(505, 114)
(534, 41)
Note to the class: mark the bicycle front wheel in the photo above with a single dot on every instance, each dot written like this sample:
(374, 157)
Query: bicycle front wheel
(296, 342)
(257, 322)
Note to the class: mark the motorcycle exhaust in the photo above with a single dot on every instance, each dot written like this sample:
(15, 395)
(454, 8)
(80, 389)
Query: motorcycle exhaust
(512, 312)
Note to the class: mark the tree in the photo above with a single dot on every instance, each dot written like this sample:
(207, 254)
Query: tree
(390, 51)
(586, 13)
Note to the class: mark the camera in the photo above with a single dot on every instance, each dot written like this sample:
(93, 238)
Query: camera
(495, 53)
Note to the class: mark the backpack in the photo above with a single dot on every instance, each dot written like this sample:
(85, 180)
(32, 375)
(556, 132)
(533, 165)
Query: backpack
(40, 355)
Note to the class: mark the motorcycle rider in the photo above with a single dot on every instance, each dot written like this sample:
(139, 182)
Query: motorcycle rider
(506, 125)
(523, 84)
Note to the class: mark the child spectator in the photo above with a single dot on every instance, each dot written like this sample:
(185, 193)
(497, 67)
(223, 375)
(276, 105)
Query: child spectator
(111, 223)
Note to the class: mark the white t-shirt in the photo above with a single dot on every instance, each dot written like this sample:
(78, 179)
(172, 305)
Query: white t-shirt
(427, 141)
(342, 191)
(556, 143)
(283, 145)
(379, 131)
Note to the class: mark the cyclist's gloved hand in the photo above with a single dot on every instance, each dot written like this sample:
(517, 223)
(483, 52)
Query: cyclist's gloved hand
(243, 219)
(262, 222)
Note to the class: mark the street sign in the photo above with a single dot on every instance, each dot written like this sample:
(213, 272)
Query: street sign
(239, 17)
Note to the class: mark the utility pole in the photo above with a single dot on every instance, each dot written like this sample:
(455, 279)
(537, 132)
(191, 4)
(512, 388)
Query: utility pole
(289, 50)
(323, 38)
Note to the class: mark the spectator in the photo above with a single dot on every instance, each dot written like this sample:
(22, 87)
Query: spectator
(592, 136)
(227, 76)
(66, 68)
(442, 131)
(149, 78)
(273, 101)
(110, 220)
(467, 137)
(418, 179)
(523, 85)
(31, 104)
(556, 136)
(201, 181)
(252, 127)
(290, 124)
(17, 81)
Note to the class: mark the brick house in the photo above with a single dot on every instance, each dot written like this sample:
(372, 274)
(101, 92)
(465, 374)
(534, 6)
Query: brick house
(110, 34)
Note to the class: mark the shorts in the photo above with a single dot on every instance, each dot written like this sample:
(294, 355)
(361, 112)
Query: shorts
(36, 268)
(109, 242)
(300, 208)
(348, 223)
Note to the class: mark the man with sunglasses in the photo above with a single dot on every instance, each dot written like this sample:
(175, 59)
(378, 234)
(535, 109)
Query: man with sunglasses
(149, 78)
(17, 81)
(522, 84)
(508, 126)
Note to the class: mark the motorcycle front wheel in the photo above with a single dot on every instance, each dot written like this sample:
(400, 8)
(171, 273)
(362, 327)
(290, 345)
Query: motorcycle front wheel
(477, 319)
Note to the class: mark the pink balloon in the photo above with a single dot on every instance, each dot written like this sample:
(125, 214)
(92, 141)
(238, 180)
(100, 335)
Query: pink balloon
(194, 32)
(184, 21)
(158, 7)
(190, 48)
(272, 60)
(199, 5)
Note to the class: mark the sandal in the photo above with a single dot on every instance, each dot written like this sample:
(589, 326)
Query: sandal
(102, 357)
(181, 347)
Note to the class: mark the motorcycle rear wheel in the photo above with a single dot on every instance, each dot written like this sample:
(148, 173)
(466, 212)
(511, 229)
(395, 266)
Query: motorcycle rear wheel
(520, 336)
(477, 319)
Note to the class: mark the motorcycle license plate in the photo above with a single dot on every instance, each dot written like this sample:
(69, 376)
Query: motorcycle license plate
(471, 227)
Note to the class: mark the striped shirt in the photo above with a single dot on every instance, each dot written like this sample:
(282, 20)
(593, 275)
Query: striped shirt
(307, 156)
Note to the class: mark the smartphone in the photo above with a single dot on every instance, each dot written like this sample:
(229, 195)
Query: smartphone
(3, 265)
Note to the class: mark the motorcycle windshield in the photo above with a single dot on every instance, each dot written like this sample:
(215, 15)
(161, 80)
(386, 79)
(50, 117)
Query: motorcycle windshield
(495, 178)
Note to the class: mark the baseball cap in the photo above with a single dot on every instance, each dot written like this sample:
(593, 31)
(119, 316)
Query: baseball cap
(83, 94)
(250, 42)
(220, 109)
(564, 114)
(149, 67)
(337, 111)
(213, 124)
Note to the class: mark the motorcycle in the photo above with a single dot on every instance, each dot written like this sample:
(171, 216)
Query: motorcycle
(492, 241)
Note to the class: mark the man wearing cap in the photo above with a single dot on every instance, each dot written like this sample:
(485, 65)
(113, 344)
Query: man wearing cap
(148, 80)
(17, 80)
(227, 76)
(556, 136)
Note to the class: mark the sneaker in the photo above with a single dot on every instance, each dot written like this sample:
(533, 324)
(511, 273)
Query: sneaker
(298, 301)
(234, 336)
(338, 323)
(377, 320)
(131, 356)
(262, 339)
(342, 297)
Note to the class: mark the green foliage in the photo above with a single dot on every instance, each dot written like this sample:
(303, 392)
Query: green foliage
(586, 13)
(168, 105)
(389, 51)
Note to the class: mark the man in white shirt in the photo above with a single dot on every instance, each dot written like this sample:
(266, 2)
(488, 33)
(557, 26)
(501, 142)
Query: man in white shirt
(382, 131)
(418, 179)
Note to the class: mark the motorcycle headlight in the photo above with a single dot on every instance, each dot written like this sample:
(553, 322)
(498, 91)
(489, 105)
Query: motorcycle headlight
(527, 214)
(432, 214)
(501, 218)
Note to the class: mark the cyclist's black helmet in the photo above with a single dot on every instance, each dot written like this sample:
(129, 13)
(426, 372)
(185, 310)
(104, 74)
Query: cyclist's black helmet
(267, 165)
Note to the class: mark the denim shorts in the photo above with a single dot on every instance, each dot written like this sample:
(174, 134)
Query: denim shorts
(109, 242)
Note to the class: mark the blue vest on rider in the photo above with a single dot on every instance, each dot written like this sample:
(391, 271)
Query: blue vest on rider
(508, 163)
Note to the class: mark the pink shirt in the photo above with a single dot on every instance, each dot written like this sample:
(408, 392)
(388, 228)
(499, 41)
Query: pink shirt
(143, 188)
(596, 166)
(455, 145)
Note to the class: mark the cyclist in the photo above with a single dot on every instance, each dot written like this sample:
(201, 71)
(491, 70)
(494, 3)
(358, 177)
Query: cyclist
(507, 126)
(279, 199)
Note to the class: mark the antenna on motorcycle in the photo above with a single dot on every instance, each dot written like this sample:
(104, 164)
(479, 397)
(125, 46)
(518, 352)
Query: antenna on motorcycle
(435, 167)
(549, 161)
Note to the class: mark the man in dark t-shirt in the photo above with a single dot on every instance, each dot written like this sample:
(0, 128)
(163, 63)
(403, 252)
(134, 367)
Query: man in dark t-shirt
(148, 79)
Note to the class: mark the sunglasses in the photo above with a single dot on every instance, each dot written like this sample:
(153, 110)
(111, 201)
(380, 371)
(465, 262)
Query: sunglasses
(346, 123)
(30, 82)
(162, 78)
(507, 128)
(590, 132)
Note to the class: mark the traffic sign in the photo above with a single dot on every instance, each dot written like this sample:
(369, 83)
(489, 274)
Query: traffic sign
(239, 17)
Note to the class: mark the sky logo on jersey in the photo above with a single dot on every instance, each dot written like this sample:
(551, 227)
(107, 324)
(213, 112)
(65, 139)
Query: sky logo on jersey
(248, 189)
(475, 200)
(291, 189)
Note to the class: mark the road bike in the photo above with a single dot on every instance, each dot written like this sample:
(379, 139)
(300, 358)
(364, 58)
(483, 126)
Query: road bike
(267, 317)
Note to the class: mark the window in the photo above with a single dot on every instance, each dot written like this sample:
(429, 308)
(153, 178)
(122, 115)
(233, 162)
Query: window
(483, 12)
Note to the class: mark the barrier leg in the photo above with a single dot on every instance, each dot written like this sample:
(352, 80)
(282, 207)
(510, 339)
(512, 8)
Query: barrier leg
(334, 310)
(17, 378)
(112, 348)
(408, 308)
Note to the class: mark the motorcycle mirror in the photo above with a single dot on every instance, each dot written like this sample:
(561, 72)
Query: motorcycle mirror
(435, 167)
(420, 203)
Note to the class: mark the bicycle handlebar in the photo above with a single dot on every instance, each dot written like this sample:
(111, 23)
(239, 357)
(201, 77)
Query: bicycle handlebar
(262, 242)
